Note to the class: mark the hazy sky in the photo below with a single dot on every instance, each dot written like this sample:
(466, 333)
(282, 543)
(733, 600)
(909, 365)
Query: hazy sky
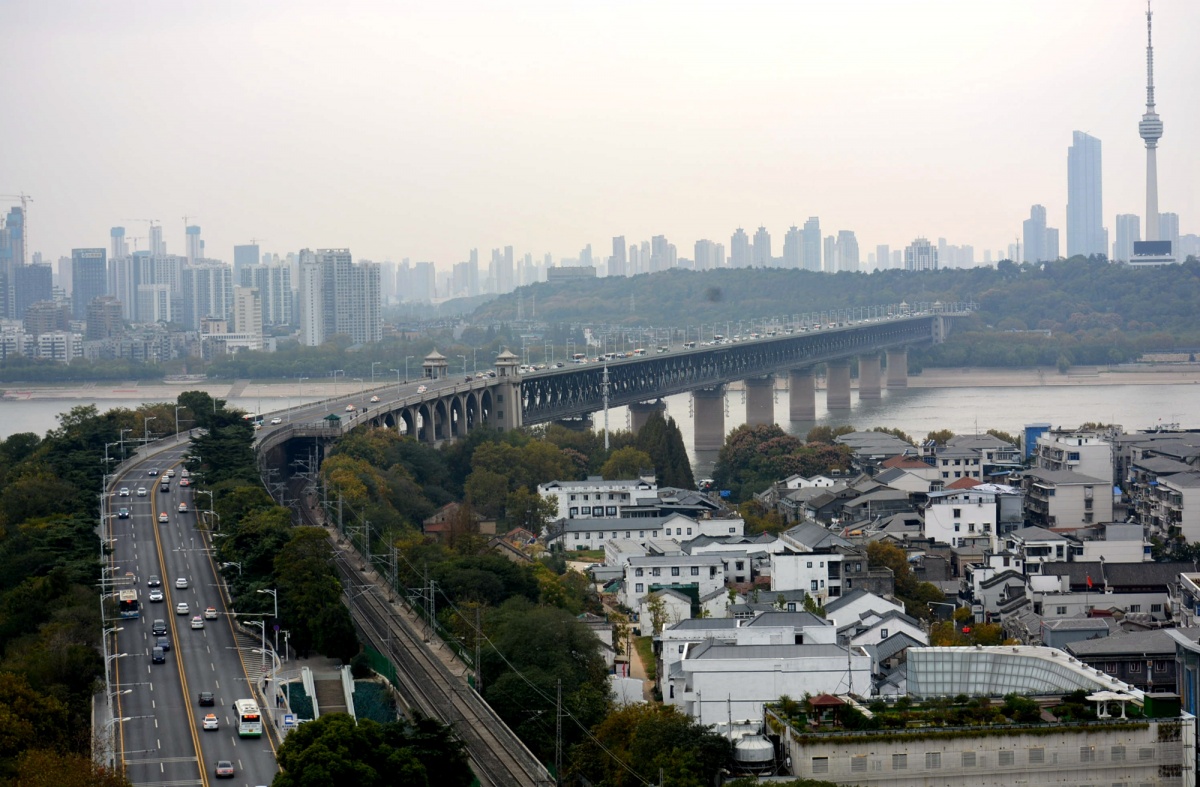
(422, 130)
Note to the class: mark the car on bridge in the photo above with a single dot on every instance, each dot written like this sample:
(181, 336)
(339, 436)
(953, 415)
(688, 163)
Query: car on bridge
(276, 421)
(350, 408)
(224, 769)
(183, 509)
(422, 388)
(141, 491)
(163, 518)
(374, 399)
(156, 595)
(123, 513)
(210, 721)
(124, 492)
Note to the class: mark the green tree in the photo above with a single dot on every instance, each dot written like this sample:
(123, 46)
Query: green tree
(940, 436)
(625, 463)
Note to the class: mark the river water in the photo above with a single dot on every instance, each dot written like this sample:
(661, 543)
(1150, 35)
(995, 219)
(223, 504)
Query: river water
(917, 411)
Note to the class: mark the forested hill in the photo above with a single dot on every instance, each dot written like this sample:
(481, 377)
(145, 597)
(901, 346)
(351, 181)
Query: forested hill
(1068, 295)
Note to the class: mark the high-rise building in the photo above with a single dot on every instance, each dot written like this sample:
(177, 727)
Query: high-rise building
(662, 254)
(1034, 234)
(206, 292)
(1085, 203)
(337, 296)
(847, 251)
(760, 254)
(117, 246)
(195, 246)
(312, 322)
(1128, 232)
(739, 249)
(1150, 129)
(1052, 243)
(883, 257)
(12, 257)
(243, 257)
(705, 253)
(104, 318)
(920, 255)
(274, 285)
(247, 314)
(158, 248)
(89, 279)
(792, 248)
(33, 283)
(830, 254)
(810, 248)
(1168, 229)
(617, 262)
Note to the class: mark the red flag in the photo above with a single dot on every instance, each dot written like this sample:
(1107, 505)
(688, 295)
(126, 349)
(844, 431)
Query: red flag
(1089, 581)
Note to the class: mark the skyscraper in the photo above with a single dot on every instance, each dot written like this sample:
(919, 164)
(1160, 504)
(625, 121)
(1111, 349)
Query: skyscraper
(1085, 204)
(207, 292)
(117, 246)
(244, 256)
(810, 247)
(158, 248)
(920, 255)
(847, 251)
(1150, 130)
(830, 254)
(739, 249)
(89, 279)
(616, 263)
(195, 246)
(1128, 232)
(761, 252)
(1168, 229)
(883, 257)
(792, 243)
(1034, 234)
(337, 296)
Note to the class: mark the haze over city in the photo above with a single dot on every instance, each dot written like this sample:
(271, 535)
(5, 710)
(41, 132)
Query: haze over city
(422, 131)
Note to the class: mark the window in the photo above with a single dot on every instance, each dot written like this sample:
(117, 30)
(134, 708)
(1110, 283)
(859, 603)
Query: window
(572, 497)
(933, 759)
(858, 763)
(674, 571)
(1155, 608)
(739, 565)
(656, 571)
(957, 513)
(820, 765)
(1160, 666)
(1117, 754)
(611, 511)
(810, 564)
(1087, 753)
(695, 571)
(1037, 756)
(689, 531)
(637, 572)
(968, 759)
(1135, 607)
(1135, 666)
(812, 585)
(957, 526)
(732, 529)
(945, 474)
(639, 587)
(641, 534)
(588, 536)
(899, 762)
(681, 648)
(858, 566)
(614, 535)
(883, 633)
(1072, 456)
(574, 512)
(1007, 757)
(1060, 610)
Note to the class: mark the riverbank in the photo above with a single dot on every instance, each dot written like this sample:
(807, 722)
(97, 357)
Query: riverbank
(276, 390)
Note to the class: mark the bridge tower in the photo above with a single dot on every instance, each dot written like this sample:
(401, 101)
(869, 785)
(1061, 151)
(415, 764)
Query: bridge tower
(760, 400)
(837, 379)
(435, 366)
(708, 415)
(507, 404)
(802, 395)
(869, 377)
(640, 412)
(897, 368)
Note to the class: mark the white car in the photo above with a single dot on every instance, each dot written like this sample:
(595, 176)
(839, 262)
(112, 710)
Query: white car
(422, 388)
(276, 421)
(141, 491)
(124, 492)
(197, 622)
(182, 608)
(349, 408)
(183, 509)
(156, 595)
(210, 613)
(374, 399)
(170, 472)
(181, 583)
(210, 721)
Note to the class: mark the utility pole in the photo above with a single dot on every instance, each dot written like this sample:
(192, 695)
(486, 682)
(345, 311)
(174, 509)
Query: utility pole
(558, 733)
(604, 394)
(478, 651)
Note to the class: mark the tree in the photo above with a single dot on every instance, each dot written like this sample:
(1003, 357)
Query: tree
(940, 436)
(45, 768)
(661, 439)
(626, 463)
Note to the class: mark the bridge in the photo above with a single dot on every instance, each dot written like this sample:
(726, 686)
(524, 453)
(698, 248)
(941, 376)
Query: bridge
(443, 407)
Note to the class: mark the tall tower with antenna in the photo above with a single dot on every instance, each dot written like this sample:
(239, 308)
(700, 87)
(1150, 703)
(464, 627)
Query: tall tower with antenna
(1151, 129)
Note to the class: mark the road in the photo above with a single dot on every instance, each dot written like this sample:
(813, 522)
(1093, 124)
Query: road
(158, 730)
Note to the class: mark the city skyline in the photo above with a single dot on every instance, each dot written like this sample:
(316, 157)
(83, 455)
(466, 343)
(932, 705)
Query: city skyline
(516, 135)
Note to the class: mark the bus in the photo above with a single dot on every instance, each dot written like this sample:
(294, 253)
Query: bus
(579, 358)
(639, 352)
(127, 604)
(249, 718)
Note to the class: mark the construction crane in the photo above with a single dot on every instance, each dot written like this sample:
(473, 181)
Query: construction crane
(25, 200)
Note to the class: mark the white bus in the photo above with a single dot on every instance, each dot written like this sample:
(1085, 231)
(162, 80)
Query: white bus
(249, 719)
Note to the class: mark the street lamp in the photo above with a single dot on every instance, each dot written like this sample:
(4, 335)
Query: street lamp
(373, 365)
(464, 359)
(334, 374)
(146, 427)
(300, 382)
(275, 596)
(178, 407)
(397, 371)
(122, 440)
(233, 563)
(406, 360)
(263, 628)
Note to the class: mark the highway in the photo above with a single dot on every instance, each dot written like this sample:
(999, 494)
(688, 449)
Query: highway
(158, 733)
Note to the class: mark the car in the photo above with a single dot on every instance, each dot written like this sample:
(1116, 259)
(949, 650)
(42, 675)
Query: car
(154, 581)
(182, 608)
(158, 656)
(184, 482)
(422, 388)
(141, 491)
(257, 425)
(163, 518)
(152, 471)
(181, 583)
(276, 421)
(170, 472)
(123, 513)
(158, 627)
(131, 577)
(207, 698)
(210, 613)
(374, 399)
(224, 769)
(183, 508)
(163, 642)
(183, 472)
(156, 595)
(197, 622)
(349, 408)
(210, 721)
(124, 492)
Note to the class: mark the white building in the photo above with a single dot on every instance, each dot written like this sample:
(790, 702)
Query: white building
(705, 573)
(956, 514)
(1176, 500)
(595, 498)
(592, 533)
(857, 603)
(817, 573)
(1086, 453)
(873, 628)
(1066, 499)
(247, 315)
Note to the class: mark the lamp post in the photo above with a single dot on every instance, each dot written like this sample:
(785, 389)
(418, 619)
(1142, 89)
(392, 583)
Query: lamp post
(300, 382)
(373, 365)
(464, 360)
(397, 371)
(178, 407)
(233, 563)
(146, 427)
(334, 374)
(407, 358)
(263, 628)
(123, 431)
(275, 596)
(362, 389)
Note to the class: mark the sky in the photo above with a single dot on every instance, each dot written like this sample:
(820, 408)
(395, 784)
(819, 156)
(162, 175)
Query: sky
(423, 130)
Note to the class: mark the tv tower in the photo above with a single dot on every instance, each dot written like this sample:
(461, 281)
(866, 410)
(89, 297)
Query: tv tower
(1150, 129)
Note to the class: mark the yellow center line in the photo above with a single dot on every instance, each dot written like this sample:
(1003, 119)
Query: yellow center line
(167, 585)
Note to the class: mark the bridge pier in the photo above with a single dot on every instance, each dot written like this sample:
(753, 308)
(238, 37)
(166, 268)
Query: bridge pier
(640, 412)
(708, 408)
(837, 378)
(868, 377)
(802, 395)
(760, 400)
(897, 368)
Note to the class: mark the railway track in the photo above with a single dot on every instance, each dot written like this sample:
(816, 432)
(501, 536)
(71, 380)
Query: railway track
(497, 756)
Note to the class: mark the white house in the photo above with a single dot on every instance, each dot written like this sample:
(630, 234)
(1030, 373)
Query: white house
(800, 482)
(857, 603)
(769, 628)
(1086, 453)
(818, 573)
(595, 498)
(643, 574)
(873, 628)
(715, 682)
(956, 514)
(676, 607)
(593, 533)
